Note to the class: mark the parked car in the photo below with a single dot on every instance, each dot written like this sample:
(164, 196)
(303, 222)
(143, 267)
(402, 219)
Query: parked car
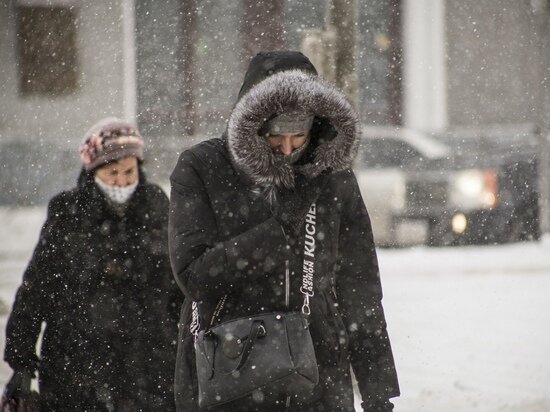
(462, 187)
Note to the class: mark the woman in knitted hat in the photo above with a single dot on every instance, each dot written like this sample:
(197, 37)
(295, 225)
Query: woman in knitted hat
(269, 220)
(99, 279)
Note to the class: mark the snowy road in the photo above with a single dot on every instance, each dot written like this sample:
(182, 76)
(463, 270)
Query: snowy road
(470, 327)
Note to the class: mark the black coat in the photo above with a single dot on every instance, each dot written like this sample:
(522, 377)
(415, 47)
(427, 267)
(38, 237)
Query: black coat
(224, 239)
(102, 284)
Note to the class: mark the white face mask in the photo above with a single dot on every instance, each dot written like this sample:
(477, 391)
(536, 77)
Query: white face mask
(117, 194)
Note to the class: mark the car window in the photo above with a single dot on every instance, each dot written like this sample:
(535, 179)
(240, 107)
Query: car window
(383, 153)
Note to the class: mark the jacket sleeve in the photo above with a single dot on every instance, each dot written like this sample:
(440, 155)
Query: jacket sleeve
(359, 294)
(156, 252)
(175, 296)
(34, 297)
(205, 265)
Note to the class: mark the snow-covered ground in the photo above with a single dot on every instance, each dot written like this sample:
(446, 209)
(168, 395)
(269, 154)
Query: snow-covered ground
(470, 326)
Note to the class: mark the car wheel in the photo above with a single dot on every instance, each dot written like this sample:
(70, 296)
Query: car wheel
(440, 234)
(529, 222)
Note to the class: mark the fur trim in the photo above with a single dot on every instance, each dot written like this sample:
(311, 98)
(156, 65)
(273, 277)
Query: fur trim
(287, 90)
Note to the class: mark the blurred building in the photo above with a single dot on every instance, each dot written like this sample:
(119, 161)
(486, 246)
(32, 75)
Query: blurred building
(175, 67)
(64, 65)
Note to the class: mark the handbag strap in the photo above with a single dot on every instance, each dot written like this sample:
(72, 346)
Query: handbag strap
(308, 270)
(256, 330)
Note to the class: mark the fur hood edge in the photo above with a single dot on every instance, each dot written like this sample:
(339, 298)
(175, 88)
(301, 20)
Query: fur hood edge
(292, 89)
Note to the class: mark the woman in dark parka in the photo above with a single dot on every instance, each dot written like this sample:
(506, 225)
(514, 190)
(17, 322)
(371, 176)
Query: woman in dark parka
(100, 280)
(237, 213)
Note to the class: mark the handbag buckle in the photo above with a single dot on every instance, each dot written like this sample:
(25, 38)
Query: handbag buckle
(261, 331)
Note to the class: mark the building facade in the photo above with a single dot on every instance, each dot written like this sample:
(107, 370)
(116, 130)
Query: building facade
(174, 67)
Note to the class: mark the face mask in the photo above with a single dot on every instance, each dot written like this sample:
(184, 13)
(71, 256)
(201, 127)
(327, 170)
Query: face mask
(117, 194)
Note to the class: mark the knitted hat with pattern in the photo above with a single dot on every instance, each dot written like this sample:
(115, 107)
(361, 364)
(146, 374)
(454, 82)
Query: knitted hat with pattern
(109, 140)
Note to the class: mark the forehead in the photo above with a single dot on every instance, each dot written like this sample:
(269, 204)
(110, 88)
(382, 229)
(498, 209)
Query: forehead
(294, 134)
(124, 163)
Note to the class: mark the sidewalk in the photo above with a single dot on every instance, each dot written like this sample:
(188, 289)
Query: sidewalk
(468, 326)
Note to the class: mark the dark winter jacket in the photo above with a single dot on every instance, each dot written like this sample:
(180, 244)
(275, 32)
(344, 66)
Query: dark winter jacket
(224, 239)
(102, 284)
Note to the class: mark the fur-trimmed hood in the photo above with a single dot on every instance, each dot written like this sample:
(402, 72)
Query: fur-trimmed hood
(282, 91)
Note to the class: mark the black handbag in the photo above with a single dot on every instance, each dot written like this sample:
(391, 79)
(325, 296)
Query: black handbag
(23, 399)
(26, 403)
(266, 355)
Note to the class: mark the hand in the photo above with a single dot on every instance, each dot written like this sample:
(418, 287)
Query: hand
(292, 205)
(18, 386)
(380, 405)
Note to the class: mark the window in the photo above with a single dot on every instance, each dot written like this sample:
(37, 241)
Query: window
(47, 53)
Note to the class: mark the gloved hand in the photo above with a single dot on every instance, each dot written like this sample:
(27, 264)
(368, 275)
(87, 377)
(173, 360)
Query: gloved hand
(379, 405)
(292, 205)
(19, 386)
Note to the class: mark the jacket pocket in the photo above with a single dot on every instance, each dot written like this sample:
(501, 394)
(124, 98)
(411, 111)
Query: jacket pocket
(339, 327)
(326, 328)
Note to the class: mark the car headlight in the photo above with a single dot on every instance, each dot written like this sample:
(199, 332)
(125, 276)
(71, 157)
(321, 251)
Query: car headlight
(459, 223)
(475, 188)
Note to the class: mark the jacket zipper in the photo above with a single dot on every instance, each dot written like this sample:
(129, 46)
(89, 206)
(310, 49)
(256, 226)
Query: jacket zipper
(287, 303)
(287, 283)
(333, 287)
